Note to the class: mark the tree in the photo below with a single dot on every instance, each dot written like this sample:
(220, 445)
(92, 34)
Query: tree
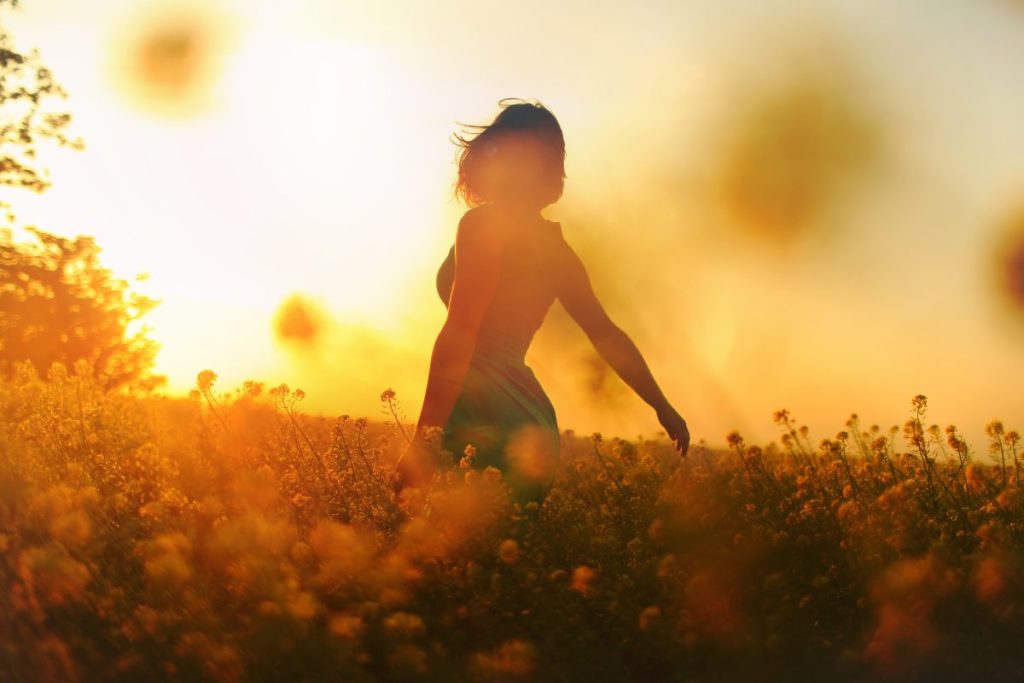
(27, 91)
(57, 302)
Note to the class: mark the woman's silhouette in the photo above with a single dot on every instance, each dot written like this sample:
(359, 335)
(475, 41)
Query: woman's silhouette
(506, 268)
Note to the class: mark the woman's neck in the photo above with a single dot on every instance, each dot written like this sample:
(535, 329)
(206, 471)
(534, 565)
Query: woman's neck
(517, 211)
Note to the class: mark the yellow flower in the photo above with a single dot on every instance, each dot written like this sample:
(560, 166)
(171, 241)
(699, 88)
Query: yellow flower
(205, 379)
(508, 551)
(303, 606)
(648, 616)
(404, 624)
(346, 626)
(582, 580)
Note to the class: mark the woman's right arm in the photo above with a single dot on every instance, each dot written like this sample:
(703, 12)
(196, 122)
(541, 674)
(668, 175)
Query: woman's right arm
(615, 346)
(477, 263)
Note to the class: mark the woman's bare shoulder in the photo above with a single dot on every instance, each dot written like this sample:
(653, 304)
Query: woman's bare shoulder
(555, 230)
(479, 227)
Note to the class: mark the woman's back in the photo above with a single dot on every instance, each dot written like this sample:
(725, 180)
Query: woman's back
(502, 410)
(527, 286)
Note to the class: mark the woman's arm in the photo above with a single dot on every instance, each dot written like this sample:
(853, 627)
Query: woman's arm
(477, 260)
(615, 346)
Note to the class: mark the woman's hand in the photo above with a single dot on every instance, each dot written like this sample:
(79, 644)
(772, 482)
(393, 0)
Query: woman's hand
(415, 466)
(675, 426)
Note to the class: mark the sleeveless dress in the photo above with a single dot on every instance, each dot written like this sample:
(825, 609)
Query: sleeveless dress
(502, 409)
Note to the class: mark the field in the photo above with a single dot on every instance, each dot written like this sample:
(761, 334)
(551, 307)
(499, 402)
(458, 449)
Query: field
(229, 536)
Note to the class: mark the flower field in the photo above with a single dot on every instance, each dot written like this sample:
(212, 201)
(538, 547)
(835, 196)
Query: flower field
(229, 536)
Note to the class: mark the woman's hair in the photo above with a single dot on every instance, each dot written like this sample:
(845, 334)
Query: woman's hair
(529, 117)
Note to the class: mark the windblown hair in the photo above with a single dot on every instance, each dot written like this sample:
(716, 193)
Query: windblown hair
(522, 116)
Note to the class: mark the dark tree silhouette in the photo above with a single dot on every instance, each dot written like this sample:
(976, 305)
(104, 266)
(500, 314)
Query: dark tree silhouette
(57, 302)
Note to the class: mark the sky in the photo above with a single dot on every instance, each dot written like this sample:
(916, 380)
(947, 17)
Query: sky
(788, 204)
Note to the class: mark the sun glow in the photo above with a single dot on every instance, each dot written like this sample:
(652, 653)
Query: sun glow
(264, 165)
(248, 155)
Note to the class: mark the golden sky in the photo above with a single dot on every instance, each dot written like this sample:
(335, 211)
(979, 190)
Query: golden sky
(787, 204)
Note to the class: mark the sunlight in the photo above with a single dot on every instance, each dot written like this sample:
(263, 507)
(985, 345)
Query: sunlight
(269, 172)
(242, 151)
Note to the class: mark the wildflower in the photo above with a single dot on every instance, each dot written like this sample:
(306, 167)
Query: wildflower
(847, 510)
(52, 574)
(303, 606)
(582, 580)
(346, 626)
(205, 380)
(168, 563)
(469, 456)
(513, 659)
(975, 482)
(648, 616)
(302, 553)
(301, 500)
(404, 624)
(508, 551)
(71, 529)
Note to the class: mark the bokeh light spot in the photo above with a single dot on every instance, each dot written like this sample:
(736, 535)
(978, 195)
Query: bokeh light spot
(790, 154)
(1009, 265)
(299, 321)
(166, 57)
(531, 454)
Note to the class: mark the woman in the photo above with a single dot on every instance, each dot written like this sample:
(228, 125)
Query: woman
(506, 268)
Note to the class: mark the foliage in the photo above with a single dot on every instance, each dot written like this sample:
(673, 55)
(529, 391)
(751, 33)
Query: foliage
(59, 304)
(230, 536)
(27, 93)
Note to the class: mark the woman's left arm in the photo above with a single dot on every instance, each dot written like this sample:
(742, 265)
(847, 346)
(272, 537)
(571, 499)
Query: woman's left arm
(477, 263)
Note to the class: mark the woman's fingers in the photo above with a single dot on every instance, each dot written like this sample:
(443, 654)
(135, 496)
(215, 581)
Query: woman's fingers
(682, 438)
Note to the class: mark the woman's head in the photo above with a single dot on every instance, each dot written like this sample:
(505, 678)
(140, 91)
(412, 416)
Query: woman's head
(517, 158)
